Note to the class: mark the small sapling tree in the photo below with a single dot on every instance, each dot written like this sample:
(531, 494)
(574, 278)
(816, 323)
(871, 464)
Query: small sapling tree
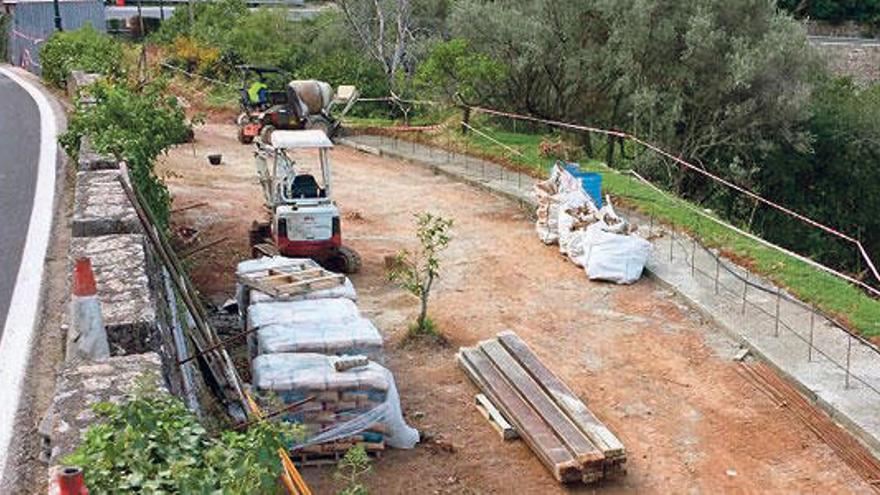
(351, 468)
(417, 270)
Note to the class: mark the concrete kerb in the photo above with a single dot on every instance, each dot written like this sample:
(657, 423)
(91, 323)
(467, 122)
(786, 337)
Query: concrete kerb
(728, 328)
(870, 441)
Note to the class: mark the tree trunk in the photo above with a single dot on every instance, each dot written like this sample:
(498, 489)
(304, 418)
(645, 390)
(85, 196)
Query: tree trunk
(423, 313)
(587, 143)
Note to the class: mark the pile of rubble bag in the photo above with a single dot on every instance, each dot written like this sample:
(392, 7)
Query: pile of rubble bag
(597, 239)
(316, 349)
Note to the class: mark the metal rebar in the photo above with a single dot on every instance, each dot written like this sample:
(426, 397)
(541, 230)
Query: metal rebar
(848, 352)
(810, 347)
(651, 227)
(717, 272)
(693, 256)
(672, 243)
(519, 180)
(778, 301)
(745, 289)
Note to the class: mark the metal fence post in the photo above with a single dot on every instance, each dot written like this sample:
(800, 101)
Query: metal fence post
(849, 340)
(778, 301)
(694, 256)
(717, 272)
(745, 290)
(672, 243)
(651, 227)
(810, 347)
(448, 148)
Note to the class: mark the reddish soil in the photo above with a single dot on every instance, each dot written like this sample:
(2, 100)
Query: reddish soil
(657, 374)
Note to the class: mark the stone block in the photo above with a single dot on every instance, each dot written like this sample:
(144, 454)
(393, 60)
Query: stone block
(127, 302)
(78, 80)
(81, 385)
(101, 207)
(89, 160)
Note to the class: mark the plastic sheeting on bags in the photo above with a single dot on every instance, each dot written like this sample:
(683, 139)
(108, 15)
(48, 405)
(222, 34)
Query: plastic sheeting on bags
(613, 257)
(293, 377)
(359, 337)
(309, 311)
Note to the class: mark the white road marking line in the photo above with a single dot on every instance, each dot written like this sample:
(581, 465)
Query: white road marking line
(24, 306)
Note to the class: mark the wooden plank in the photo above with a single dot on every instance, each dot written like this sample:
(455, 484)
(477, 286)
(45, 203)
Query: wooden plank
(531, 427)
(495, 418)
(564, 397)
(584, 451)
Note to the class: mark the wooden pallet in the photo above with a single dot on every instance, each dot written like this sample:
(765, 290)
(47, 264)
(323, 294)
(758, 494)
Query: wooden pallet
(332, 453)
(559, 428)
(294, 279)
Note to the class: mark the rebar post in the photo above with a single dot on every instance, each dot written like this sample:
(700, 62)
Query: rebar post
(672, 243)
(745, 290)
(810, 347)
(693, 256)
(849, 340)
(778, 301)
(717, 272)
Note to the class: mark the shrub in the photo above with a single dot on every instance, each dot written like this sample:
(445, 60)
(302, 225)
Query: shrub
(417, 270)
(134, 125)
(194, 56)
(154, 444)
(84, 49)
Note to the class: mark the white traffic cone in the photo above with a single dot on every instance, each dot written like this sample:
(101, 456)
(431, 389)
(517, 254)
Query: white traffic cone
(90, 339)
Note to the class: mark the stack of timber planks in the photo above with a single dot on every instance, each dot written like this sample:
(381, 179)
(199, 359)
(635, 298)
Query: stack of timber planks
(559, 428)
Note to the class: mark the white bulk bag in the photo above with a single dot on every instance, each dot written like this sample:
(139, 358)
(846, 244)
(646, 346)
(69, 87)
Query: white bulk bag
(613, 257)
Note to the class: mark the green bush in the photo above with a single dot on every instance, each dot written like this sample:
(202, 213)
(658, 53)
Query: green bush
(154, 444)
(5, 20)
(84, 49)
(135, 125)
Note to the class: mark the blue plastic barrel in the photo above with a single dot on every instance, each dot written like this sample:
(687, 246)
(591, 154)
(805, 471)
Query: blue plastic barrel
(591, 182)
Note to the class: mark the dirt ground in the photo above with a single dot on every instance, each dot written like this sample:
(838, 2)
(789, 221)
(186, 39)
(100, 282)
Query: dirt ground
(646, 364)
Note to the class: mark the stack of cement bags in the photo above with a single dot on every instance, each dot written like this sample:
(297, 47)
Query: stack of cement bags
(597, 239)
(295, 345)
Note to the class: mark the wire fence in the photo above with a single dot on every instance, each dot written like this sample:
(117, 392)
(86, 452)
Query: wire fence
(765, 311)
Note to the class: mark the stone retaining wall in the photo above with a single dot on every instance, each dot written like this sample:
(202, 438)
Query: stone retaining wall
(135, 306)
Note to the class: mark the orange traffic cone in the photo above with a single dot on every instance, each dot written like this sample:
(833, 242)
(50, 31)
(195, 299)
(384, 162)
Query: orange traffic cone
(71, 481)
(90, 336)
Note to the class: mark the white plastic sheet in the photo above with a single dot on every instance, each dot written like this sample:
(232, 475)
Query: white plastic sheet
(333, 338)
(298, 312)
(613, 257)
(295, 376)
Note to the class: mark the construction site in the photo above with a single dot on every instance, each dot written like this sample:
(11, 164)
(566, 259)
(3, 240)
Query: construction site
(248, 270)
(671, 385)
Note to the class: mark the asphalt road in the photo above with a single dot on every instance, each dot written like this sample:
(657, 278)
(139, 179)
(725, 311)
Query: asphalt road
(19, 155)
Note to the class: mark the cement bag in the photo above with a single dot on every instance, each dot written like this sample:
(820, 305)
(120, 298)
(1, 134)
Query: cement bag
(613, 257)
(245, 296)
(359, 337)
(347, 402)
(299, 312)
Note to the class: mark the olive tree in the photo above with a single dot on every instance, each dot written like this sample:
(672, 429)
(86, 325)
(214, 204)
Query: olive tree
(417, 270)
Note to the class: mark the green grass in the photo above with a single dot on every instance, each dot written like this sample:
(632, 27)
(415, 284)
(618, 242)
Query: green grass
(849, 304)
